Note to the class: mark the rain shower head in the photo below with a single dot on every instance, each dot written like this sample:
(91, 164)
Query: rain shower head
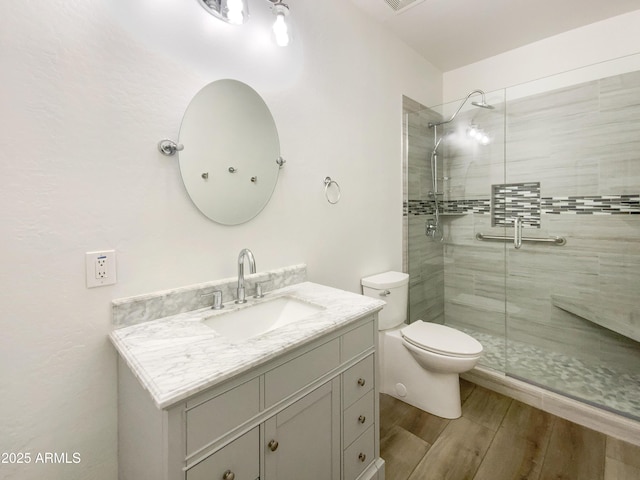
(483, 104)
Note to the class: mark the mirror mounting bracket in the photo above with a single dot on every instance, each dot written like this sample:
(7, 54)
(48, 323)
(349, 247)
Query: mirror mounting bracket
(169, 147)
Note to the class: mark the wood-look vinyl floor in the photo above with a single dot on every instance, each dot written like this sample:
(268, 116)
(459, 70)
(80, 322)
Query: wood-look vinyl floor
(497, 438)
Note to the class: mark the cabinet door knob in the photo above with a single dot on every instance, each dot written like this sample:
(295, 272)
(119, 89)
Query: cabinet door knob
(362, 457)
(228, 475)
(362, 419)
(273, 445)
(361, 382)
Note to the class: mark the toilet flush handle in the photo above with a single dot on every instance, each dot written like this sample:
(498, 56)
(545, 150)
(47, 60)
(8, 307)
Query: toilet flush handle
(384, 293)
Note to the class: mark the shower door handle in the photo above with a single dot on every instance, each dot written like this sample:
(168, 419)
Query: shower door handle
(517, 234)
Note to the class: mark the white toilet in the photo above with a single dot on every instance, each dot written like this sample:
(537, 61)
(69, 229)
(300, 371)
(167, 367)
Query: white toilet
(420, 362)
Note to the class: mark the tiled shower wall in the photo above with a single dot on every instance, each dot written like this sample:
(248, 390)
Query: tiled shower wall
(582, 146)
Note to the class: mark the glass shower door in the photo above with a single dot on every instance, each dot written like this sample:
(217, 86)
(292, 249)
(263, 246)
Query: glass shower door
(472, 159)
(572, 178)
(424, 258)
(455, 278)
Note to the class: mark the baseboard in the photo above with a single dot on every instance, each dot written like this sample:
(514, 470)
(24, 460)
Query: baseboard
(564, 407)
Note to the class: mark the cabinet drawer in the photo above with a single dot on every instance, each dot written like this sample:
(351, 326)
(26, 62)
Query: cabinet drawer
(358, 418)
(357, 341)
(358, 380)
(286, 379)
(205, 423)
(241, 457)
(359, 455)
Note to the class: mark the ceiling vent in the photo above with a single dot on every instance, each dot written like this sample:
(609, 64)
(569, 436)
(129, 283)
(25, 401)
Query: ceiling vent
(400, 5)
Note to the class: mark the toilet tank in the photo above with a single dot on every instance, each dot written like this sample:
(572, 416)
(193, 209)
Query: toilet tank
(393, 288)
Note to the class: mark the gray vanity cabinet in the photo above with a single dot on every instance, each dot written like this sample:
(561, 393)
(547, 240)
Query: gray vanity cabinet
(308, 414)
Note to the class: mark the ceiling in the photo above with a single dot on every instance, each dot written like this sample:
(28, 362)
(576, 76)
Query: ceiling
(454, 33)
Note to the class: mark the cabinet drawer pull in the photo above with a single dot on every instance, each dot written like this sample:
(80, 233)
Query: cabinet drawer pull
(362, 419)
(361, 382)
(228, 475)
(362, 457)
(273, 445)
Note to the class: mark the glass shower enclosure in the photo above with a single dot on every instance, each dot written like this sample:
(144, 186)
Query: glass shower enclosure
(538, 255)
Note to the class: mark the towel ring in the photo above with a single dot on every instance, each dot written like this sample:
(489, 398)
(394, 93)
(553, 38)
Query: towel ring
(327, 183)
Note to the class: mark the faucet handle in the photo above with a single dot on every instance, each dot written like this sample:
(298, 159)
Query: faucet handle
(260, 289)
(217, 299)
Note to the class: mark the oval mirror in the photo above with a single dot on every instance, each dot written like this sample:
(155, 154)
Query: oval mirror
(231, 147)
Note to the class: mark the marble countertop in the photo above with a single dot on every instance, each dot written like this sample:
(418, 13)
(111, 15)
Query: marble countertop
(179, 356)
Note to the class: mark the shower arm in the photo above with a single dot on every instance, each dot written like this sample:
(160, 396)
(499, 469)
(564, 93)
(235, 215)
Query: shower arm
(431, 125)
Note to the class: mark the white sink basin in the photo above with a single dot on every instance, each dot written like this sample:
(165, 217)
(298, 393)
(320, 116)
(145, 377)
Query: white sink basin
(253, 320)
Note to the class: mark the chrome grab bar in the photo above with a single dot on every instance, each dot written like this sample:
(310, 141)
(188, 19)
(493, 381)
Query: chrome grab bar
(517, 232)
(560, 241)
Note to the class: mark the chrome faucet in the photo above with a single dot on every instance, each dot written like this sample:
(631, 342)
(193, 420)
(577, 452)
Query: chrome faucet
(245, 252)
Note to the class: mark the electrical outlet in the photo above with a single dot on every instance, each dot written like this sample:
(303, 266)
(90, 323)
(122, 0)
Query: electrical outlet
(101, 268)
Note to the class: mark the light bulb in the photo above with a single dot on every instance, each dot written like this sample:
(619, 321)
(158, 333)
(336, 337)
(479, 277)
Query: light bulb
(281, 31)
(472, 132)
(235, 11)
(484, 140)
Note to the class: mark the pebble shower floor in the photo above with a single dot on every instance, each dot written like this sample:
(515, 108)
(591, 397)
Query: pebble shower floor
(595, 384)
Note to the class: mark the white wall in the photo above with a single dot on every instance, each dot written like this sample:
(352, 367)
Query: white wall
(599, 42)
(87, 90)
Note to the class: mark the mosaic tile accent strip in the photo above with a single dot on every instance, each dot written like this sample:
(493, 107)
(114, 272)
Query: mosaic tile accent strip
(418, 207)
(447, 207)
(528, 209)
(516, 199)
(481, 206)
(592, 205)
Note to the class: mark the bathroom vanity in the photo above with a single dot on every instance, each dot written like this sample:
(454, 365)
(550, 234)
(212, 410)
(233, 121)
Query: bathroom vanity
(297, 402)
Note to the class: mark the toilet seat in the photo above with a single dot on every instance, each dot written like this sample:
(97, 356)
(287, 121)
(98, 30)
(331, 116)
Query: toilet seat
(441, 339)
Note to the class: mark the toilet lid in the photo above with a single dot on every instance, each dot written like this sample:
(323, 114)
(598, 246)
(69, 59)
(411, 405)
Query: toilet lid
(441, 339)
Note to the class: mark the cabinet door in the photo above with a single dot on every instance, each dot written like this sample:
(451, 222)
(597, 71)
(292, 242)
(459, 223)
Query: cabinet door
(303, 441)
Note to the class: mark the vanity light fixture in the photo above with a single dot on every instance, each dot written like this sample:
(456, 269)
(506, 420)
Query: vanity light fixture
(235, 12)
